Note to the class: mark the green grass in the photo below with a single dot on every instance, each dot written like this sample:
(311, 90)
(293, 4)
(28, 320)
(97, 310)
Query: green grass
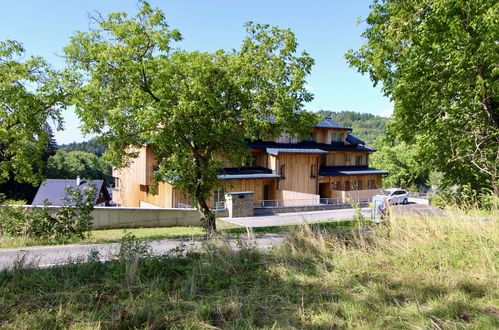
(115, 235)
(411, 273)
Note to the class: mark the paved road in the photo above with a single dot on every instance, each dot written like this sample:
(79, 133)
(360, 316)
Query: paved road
(293, 218)
(53, 255)
(303, 217)
(46, 256)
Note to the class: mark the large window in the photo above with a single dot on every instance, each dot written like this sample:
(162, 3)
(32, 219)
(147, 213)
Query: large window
(323, 160)
(219, 195)
(346, 185)
(336, 137)
(357, 185)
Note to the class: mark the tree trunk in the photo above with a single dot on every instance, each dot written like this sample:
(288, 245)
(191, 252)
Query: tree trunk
(207, 217)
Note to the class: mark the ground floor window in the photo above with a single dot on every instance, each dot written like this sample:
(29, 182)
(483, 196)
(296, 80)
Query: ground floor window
(219, 195)
(335, 185)
(346, 185)
(371, 184)
(357, 185)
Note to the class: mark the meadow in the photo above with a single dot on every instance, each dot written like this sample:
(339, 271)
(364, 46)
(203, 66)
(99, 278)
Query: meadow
(437, 273)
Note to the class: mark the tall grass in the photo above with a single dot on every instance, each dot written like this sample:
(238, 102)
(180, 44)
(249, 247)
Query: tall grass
(408, 273)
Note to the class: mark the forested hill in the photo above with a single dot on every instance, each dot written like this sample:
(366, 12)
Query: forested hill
(366, 126)
(91, 146)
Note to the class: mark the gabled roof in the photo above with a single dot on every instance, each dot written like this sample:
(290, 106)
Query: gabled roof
(348, 170)
(277, 151)
(247, 173)
(352, 139)
(311, 145)
(54, 190)
(329, 122)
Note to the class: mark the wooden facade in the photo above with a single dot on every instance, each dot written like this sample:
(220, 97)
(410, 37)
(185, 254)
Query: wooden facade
(295, 172)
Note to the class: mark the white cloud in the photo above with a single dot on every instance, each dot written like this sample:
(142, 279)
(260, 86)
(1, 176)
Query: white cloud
(386, 113)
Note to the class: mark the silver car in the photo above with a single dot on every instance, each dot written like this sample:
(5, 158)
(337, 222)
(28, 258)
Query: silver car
(395, 196)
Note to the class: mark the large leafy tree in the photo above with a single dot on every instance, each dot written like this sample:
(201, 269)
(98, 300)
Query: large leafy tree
(30, 97)
(134, 88)
(69, 165)
(437, 60)
(406, 167)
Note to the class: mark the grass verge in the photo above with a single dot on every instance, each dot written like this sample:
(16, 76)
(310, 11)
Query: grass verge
(410, 273)
(115, 235)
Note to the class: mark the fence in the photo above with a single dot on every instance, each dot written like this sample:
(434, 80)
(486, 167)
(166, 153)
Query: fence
(218, 206)
(297, 202)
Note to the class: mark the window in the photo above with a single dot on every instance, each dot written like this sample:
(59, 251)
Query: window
(116, 182)
(282, 171)
(335, 185)
(357, 185)
(371, 184)
(358, 160)
(346, 185)
(219, 195)
(335, 137)
(323, 160)
(312, 171)
(252, 161)
(310, 137)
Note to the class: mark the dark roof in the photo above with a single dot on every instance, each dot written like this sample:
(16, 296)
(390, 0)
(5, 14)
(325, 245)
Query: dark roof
(54, 190)
(247, 173)
(335, 146)
(348, 170)
(329, 122)
(352, 139)
(276, 151)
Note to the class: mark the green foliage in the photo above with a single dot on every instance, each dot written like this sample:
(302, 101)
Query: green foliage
(30, 97)
(437, 61)
(466, 198)
(133, 88)
(366, 126)
(92, 146)
(73, 219)
(403, 161)
(69, 165)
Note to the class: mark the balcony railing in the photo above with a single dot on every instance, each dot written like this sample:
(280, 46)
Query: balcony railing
(218, 206)
(297, 202)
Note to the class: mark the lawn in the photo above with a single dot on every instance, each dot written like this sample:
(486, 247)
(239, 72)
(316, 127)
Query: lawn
(409, 273)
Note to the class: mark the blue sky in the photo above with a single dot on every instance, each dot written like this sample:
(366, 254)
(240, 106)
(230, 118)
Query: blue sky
(326, 29)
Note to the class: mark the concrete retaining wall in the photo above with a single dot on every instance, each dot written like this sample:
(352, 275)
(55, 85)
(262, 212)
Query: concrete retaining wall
(130, 217)
(125, 217)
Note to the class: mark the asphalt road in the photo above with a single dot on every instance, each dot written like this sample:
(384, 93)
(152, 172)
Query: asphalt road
(47, 256)
(296, 217)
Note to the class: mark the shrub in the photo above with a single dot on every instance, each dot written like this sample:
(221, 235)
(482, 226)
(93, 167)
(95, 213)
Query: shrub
(466, 198)
(73, 219)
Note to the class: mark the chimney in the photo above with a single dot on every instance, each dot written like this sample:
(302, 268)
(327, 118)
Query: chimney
(78, 180)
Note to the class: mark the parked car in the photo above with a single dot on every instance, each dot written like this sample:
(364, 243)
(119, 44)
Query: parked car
(395, 196)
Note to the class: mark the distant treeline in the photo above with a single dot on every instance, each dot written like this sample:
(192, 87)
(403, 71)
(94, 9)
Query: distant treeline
(366, 126)
(91, 146)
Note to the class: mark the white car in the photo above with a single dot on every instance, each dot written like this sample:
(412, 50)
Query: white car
(395, 196)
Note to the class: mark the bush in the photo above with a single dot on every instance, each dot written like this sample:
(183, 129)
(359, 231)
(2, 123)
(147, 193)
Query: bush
(466, 198)
(73, 219)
